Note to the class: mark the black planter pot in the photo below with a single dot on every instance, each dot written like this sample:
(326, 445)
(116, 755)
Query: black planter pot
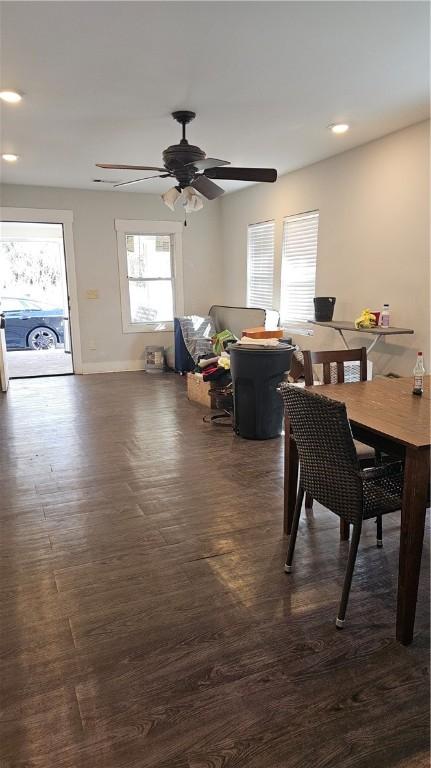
(324, 308)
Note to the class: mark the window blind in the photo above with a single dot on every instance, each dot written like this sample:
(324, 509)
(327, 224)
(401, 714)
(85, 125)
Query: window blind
(260, 264)
(298, 269)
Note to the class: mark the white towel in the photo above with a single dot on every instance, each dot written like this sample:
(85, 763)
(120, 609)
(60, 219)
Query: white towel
(247, 341)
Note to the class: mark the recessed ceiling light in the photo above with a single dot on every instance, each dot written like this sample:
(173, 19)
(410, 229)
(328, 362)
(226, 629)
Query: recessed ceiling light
(339, 127)
(12, 97)
(10, 158)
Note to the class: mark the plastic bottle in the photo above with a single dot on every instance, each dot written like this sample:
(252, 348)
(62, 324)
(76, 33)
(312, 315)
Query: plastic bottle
(385, 317)
(418, 375)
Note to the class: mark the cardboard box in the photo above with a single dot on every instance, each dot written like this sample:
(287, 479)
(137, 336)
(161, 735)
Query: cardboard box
(198, 390)
(261, 333)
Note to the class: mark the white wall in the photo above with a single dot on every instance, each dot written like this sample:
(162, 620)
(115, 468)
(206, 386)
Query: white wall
(373, 238)
(96, 260)
(373, 247)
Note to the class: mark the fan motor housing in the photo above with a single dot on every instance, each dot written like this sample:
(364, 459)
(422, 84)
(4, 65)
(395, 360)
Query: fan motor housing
(178, 155)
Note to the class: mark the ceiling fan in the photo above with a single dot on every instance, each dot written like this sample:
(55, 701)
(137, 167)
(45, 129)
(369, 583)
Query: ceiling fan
(192, 170)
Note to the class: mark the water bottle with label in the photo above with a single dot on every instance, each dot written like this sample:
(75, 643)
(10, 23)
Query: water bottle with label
(418, 375)
(384, 317)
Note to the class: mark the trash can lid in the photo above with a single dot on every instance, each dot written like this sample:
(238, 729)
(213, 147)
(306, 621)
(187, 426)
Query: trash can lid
(256, 349)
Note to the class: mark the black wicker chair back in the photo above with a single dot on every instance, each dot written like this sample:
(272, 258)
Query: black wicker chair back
(332, 362)
(329, 468)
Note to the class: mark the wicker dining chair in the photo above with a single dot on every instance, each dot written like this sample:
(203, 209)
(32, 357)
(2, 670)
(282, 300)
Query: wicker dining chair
(333, 370)
(331, 473)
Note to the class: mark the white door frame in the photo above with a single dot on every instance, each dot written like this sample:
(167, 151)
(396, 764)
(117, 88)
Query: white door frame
(45, 216)
(4, 372)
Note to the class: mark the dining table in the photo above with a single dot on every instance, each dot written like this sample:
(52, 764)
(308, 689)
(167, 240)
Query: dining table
(385, 414)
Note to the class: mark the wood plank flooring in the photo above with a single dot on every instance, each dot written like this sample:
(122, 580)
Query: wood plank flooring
(146, 621)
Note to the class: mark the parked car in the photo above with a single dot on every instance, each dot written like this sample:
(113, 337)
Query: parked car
(31, 324)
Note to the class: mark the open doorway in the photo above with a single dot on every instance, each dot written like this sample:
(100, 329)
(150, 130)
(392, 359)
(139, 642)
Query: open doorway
(34, 299)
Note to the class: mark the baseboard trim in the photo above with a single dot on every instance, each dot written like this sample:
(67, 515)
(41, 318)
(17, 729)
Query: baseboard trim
(113, 366)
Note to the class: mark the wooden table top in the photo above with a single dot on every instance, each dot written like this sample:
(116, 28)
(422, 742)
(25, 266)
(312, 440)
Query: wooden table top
(347, 325)
(386, 406)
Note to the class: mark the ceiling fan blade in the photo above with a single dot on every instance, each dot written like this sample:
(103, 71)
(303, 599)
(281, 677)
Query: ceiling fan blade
(242, 174)
(208, 162)
(136, 181)
(130, 167)
(206, 187)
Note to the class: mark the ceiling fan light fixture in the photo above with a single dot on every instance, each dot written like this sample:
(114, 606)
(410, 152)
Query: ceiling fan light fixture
(192, 201)
(170, 197)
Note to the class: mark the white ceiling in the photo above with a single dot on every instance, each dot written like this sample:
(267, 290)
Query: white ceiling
(266, 78)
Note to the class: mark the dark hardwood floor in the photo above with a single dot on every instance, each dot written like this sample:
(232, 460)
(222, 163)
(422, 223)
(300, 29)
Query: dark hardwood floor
(145, 617)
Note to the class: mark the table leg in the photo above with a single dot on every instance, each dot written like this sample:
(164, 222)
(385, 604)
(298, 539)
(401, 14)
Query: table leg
(290, 477)
(416, 477)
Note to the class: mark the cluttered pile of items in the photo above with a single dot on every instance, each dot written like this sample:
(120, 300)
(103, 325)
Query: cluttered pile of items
(213, 367)
(238, 375)
(212, 379)
(215, 364)
(194, 334)
(211, 371)
(233, 370)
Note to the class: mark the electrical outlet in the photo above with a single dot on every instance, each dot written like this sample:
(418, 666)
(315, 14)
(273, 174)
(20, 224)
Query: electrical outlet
(92, 345)
(92, 293)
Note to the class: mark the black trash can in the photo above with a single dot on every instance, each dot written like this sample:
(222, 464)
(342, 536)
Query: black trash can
(256, 374)
(324, 308)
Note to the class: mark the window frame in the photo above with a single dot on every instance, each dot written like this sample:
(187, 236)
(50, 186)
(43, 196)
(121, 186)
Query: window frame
(126, 227)
(286, 322)
(249, 229)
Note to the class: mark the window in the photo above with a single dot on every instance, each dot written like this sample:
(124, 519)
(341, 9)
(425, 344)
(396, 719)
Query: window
(298, 267)
(260, 264)
(150, 274)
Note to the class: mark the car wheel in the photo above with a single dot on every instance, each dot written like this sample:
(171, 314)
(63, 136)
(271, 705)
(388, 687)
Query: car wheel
(42, 338)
